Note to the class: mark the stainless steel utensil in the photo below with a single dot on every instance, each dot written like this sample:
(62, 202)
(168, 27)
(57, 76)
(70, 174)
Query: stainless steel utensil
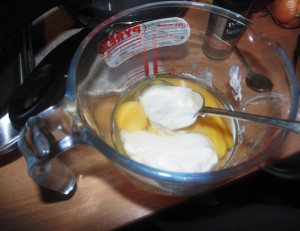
(290, 125)
(255, 81)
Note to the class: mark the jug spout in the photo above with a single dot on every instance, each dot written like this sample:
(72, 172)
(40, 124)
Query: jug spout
(43, 138)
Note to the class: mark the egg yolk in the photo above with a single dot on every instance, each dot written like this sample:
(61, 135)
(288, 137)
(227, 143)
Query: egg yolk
(214, 131)
(210, 128)
(131, 116)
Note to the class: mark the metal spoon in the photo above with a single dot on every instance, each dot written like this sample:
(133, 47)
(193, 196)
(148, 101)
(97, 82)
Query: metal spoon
(290, 125)
(256, 82)
(186, 105)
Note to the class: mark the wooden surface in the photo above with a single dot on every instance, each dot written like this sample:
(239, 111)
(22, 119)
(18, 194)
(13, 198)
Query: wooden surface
(104, 199)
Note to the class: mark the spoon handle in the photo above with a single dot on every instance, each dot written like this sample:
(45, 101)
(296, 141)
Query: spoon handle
(242, 58)
(290, 125)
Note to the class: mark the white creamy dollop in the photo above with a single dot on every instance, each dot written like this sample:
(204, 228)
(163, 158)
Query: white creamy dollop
(178, 152)
(171, 107)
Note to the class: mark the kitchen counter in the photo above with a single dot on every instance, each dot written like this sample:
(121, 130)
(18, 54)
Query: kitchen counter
(104, 199)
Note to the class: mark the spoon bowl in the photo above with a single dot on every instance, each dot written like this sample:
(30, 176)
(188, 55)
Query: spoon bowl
(257, 82)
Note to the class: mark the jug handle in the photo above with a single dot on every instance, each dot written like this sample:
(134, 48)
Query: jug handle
(46, 136)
